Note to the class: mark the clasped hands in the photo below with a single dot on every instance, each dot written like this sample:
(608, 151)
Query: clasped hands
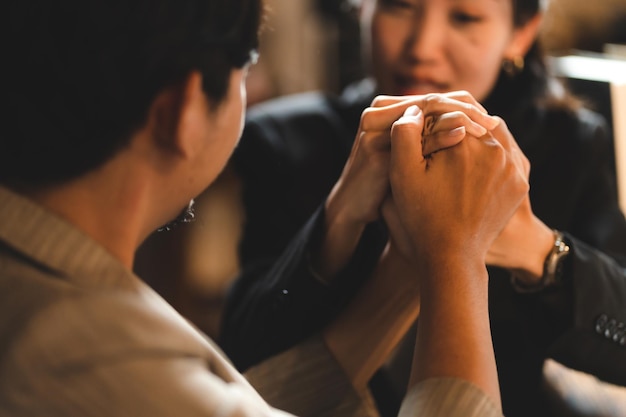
(445, 176)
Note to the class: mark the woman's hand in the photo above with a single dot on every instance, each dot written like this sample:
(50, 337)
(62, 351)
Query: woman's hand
(525, 242)
(453, 206)
(456, 202)
(357, 196)
(359, 192)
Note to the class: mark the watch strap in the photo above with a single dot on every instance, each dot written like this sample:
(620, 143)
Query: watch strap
(551, 268)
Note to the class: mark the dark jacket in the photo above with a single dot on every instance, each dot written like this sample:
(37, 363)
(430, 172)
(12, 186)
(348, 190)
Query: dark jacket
(291, 154)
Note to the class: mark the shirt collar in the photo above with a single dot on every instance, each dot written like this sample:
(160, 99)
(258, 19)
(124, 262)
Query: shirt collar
(56, 244)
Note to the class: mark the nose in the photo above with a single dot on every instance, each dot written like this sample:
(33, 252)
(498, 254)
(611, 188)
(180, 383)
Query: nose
(426, 37)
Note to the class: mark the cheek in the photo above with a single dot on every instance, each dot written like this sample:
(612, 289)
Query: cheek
(476, 67)
(387, 37)
(390, 36)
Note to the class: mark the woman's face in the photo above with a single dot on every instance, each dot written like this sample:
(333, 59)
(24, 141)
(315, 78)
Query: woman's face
(427, 46)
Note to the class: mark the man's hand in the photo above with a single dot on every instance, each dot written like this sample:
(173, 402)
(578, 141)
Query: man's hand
(525, 242)
(358, 195)
(455, 202)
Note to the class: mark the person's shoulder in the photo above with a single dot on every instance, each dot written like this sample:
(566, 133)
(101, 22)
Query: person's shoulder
(580, 122)
(584, 116)
(591, 119)
(72, 325)
(574, 111)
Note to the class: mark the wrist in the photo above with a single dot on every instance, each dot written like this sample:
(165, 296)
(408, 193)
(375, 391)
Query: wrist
(453, 273)
(537, 248)
(552, 268)
(532, 254)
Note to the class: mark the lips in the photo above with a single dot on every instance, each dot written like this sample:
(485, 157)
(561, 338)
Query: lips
(419, 85)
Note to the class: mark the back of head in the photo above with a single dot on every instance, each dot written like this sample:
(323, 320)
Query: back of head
(83, 73)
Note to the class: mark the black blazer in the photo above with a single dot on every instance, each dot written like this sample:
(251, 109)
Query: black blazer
(292, 152)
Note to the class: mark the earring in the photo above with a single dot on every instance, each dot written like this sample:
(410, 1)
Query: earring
(513, 66)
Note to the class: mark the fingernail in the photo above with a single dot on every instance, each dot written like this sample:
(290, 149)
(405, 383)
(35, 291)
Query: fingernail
(459, 131)
(412, 111)
(493, 122)
(480, 131)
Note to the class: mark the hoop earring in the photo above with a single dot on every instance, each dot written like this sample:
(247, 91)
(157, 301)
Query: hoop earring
(513, 66)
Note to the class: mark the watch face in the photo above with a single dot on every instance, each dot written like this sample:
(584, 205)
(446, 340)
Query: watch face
(554, 260)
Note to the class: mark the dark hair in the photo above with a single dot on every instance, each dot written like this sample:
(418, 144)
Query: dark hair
(534, 85)
(82, 74)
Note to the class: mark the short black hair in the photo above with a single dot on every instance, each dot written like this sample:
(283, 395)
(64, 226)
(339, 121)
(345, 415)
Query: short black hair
(82, 74)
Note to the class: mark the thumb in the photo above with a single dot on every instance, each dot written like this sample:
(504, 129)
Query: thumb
(406, 138)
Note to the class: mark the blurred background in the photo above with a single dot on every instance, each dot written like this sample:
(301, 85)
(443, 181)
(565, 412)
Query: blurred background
(314, 45)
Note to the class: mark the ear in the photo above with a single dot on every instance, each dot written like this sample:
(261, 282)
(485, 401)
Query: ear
(194, 116)
(523, 38)
(178, 115)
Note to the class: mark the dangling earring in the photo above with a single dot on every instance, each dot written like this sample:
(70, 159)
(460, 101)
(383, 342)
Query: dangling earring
(513, 66)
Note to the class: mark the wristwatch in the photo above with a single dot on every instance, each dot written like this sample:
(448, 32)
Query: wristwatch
(551, 268)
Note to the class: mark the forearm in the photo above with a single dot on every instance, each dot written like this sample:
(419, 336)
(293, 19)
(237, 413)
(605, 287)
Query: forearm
(277, 303)
(307, 381)
(364, 335)
(453, 333)
(337, 244)
(522, 248)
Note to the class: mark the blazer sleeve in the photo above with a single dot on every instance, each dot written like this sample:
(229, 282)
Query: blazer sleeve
(584, 320)
(595, 337)
(288, 161)
(275, 304)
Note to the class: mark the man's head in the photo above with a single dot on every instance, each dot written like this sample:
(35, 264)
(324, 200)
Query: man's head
(82, 74)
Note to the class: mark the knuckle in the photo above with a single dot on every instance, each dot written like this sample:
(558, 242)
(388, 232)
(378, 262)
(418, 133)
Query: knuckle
(431, 99)
(520, 184)
(366, 118)
(404, 124)
(468, 107)
(499, 154)
(379, 100)
(458, 116)
(502, 126)
(526, 165)
(464, 94)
